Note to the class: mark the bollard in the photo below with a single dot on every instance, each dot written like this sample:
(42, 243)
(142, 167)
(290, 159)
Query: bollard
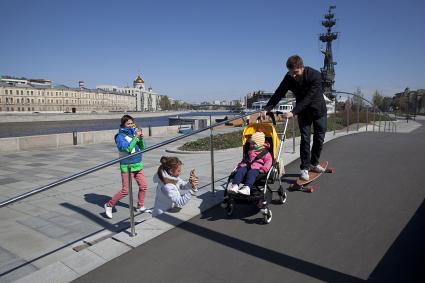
(130, 197)
(74, 138)
(212, 158)
(150, 130)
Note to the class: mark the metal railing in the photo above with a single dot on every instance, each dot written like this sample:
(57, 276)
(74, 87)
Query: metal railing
(391, 125)
(155, 146)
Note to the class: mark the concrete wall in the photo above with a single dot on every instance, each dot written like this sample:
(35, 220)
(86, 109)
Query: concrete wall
(10, 145)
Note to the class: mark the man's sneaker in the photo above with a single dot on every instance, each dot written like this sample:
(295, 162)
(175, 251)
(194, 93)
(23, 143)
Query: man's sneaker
(143, 209)
(245, 190)
(304, 175)
(233, 188)
(108, 211)
(317, 168)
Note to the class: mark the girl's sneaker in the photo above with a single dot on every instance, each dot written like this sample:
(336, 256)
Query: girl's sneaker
(245, 190)
(233, 188)
(143, 209)
(108, 211)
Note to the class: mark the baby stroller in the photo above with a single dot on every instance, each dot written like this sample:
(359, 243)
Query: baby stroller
(261, 190)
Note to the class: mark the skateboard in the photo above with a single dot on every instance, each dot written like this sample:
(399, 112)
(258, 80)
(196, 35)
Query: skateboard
(302, 185)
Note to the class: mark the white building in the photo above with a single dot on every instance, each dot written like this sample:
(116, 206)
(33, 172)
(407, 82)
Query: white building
(28, 95)
(146, 100)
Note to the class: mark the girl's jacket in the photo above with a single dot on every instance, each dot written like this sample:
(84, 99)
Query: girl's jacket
(263, 164)
(169, 195)
(127, 143)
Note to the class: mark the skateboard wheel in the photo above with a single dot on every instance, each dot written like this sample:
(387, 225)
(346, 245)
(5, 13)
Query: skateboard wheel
(310, 190)
(330, 170)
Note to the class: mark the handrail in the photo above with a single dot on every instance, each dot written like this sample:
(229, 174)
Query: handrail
(112, 162)
(361, 97)
(155, 146)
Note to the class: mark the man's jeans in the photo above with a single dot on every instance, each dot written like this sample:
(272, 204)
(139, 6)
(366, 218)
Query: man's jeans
(319, 126)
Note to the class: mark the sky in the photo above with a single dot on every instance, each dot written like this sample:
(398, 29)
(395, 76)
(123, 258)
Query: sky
(211, 50)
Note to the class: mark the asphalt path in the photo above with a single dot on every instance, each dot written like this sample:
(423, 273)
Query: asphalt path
(365, 222)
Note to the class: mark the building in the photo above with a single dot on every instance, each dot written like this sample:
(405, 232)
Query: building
(146, 100)
(36, 95)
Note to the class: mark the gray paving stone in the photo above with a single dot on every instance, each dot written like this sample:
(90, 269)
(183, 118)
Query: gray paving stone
(54, 273)
(11, 274)
(34, 222)
(8, 180)
(109, 249)
(83, 261)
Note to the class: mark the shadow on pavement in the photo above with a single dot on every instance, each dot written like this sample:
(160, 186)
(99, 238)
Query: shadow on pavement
(405, 259)
(308, 268)
(100, 200)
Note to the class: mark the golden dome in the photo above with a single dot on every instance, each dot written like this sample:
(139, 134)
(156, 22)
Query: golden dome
(139, 80)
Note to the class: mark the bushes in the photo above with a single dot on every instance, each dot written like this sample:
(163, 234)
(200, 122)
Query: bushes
(220, 141)
(234, 139)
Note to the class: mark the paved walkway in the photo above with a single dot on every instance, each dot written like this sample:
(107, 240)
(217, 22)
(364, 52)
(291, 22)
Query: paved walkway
(40, 231)
(366, 222)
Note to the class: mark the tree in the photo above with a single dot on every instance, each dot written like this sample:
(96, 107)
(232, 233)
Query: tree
(377, 99)
(165, 103)
(386, 104)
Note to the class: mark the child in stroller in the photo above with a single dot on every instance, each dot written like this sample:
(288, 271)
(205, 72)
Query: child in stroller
(255, 161)
(268, 169)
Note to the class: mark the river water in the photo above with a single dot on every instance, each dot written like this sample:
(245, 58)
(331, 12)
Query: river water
(19, 129)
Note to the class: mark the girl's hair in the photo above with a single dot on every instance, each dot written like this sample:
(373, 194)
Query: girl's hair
(124, 120)
(167, 164)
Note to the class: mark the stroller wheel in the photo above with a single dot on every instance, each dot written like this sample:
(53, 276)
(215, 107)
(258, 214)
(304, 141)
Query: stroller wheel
(229, 208)
(268, 216)
(282, 196)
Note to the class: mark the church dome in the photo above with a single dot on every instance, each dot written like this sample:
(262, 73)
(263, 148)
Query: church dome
(139, 80)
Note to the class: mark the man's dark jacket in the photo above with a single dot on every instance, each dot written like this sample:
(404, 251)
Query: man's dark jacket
(308, 94)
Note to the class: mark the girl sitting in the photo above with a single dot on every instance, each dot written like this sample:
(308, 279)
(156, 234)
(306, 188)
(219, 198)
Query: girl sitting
(168, 194)
(257, 159)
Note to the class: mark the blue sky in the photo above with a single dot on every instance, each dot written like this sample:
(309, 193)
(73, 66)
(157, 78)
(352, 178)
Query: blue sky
(205, 50)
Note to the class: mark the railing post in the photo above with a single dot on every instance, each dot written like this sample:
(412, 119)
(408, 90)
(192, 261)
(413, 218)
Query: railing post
(293, 134)
(379, 124)
(385, 125)
(374, 119)
(212, 157)
(335, 113)
(74, 138)
(130, 196)
(367, 117)
(348, 117)
(358, 116)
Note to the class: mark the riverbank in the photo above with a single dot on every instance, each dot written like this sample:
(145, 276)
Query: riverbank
(45, 117)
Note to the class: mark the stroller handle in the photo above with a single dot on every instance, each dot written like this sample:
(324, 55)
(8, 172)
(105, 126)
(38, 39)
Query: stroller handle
(271, 114)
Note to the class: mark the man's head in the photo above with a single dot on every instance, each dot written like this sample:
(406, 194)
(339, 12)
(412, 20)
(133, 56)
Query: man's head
(295, 66)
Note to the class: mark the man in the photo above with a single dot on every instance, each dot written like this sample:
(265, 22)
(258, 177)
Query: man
(306, 84)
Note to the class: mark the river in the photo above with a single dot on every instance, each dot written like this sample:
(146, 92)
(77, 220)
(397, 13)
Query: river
(19, 129)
